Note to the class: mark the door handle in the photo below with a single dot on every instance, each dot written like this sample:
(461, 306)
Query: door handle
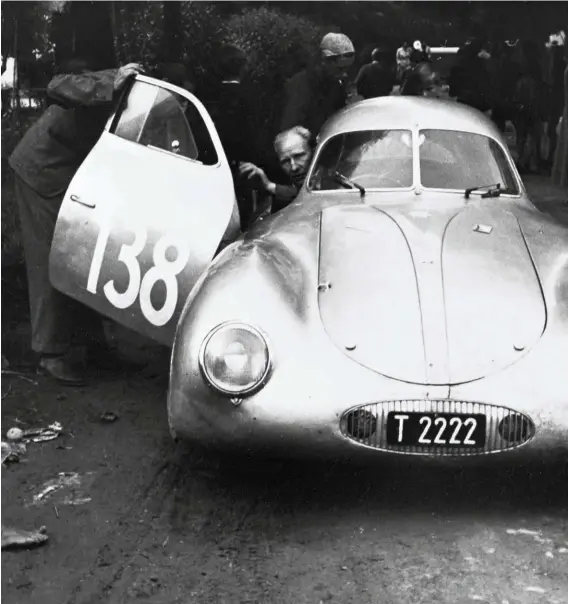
(77, 199)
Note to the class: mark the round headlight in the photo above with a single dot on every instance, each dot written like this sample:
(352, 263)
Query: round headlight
(235, 359)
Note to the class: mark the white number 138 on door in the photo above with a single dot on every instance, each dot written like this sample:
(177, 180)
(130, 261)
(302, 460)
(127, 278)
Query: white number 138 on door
(163, 269)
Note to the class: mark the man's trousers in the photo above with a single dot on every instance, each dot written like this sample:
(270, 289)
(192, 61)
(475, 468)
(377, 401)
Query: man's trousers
(55, 318)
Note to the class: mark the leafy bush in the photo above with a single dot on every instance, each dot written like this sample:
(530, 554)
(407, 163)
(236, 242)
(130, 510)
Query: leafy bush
(204, 32)
(139, 32)
(276, 45)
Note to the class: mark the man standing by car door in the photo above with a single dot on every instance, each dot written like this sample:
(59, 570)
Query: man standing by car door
(44, 163)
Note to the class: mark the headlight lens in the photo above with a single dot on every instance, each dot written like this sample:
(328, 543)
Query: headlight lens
(235, 359)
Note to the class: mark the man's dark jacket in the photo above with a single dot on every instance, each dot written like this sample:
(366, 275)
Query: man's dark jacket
(375, 80)
(311, 97)
(52, 150)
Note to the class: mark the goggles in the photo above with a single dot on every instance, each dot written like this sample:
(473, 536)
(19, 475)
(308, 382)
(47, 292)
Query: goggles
(346, 56)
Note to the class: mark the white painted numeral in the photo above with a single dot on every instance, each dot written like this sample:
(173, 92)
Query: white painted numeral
(455, 421)
(423, 439)
(98, 256)
(128, 255)
(163, 270)
(442, 422)
(470, 421)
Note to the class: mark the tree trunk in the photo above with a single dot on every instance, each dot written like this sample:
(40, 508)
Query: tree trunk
(16, 88)
(61, 35)
(172, 44)
(115, 31)
(93, 35)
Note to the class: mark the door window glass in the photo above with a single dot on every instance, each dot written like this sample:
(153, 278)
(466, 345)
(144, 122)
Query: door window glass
(159, 118)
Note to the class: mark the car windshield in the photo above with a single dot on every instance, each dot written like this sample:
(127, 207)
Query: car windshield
(376, 159)
(460, 160)
(382, 159)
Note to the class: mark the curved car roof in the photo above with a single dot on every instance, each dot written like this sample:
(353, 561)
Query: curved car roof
(405, 112)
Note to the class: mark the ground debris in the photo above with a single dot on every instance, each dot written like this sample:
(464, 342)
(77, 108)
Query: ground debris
(523, 531)
(35, 435)
(68, 489)
(21, 376)
(14, 434)
(11, 452)
(12, 538)
(535, 589)
(108, 417)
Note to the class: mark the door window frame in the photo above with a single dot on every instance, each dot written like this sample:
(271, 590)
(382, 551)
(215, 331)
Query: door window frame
(203, 113)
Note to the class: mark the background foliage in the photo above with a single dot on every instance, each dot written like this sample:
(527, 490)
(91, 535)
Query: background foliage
(271, 60)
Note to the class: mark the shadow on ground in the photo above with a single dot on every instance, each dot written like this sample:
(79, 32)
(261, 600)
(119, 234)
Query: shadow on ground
(382, 486)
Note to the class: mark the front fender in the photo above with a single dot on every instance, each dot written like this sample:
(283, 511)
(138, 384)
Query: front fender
(269, 283)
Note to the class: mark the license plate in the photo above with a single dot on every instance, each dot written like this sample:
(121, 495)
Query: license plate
(435, 429)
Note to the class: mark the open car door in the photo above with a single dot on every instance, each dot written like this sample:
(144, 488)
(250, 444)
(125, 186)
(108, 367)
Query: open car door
(146, 211)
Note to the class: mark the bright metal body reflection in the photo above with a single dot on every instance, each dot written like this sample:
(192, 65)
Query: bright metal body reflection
(416, 300)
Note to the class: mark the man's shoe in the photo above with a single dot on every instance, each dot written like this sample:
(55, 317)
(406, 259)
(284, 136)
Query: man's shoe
(59, 368)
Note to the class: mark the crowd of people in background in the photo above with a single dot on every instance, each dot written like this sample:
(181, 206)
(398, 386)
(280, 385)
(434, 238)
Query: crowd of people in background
(522, 83)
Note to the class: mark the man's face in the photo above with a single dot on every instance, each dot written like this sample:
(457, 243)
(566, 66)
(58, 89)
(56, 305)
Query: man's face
(294, 154)
(338, 65)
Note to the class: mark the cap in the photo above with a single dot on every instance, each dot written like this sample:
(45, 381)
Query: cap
(417, 45)
(336, 44)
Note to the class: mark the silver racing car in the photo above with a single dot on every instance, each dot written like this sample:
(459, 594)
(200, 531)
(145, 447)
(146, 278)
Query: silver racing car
(410, 301)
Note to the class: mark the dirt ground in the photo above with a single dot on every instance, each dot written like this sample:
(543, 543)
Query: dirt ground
(148, 520)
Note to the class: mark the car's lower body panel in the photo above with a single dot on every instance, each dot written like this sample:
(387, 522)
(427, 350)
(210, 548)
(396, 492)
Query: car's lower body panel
(312, 429)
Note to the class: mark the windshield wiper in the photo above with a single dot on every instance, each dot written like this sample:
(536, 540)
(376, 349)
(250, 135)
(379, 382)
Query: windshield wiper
(346, 182)
(494, 190)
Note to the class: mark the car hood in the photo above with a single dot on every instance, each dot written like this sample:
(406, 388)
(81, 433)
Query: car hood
(442, 297)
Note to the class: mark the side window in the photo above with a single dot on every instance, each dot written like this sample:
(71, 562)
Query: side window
(166, 127)
(161, 119)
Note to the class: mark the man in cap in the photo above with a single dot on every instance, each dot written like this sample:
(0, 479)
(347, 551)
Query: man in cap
(316, 93)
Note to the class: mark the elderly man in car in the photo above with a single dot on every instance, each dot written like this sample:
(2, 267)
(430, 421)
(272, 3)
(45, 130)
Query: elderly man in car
(294, 152)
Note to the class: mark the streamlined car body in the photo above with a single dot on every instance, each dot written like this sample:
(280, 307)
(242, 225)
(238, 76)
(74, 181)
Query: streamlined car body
(411, 300)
